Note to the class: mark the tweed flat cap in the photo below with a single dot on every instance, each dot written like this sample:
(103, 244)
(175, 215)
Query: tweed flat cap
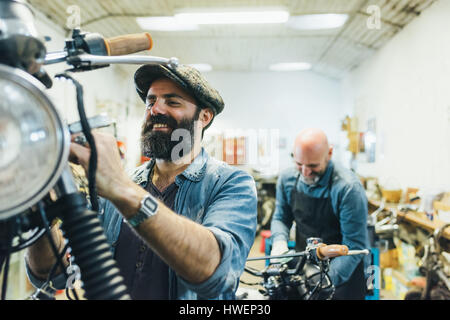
(187, 77)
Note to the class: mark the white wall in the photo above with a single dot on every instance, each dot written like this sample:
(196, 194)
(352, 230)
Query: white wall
(406, 87)
(288, 102)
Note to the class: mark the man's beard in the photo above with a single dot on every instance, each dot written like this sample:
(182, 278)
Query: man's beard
(159, 144)
(313, 180)
(309, 181)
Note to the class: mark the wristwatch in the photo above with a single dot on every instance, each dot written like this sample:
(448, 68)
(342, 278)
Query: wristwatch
(149, 207)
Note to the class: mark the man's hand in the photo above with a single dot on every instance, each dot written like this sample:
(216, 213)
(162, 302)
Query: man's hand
(279, 247)
(110, 175)
(40, 257)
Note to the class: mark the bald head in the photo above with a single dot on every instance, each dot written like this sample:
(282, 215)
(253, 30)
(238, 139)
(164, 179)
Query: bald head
(312, 153)
(311, 141)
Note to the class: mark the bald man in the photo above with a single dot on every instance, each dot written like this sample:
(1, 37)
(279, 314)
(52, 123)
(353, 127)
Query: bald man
(325, 201)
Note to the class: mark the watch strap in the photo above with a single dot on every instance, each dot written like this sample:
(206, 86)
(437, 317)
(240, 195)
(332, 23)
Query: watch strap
(149, 207)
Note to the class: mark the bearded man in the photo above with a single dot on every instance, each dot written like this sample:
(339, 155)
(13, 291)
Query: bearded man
(182, 226)
(326, 201)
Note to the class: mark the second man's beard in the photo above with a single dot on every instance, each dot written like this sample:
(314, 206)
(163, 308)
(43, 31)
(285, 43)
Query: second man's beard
(309, 181)
(159, 145)
(313, 181)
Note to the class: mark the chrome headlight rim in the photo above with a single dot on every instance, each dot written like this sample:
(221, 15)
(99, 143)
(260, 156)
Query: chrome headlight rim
(36, 89)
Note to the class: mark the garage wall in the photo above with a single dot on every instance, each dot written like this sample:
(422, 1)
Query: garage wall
(283, 102)
(406, 88)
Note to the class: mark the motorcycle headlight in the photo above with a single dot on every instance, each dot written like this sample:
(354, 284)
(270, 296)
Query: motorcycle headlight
(33, 142)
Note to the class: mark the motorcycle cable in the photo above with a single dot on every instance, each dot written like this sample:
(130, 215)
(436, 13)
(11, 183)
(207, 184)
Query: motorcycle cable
(316, 288)
(42, 288)
(89, 138)
(58, 255)
(6, 267)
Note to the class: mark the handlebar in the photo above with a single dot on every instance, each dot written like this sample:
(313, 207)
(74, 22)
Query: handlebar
(308, 280)
(335, 250)
(87, 51)
(323, 252)
(128, 44)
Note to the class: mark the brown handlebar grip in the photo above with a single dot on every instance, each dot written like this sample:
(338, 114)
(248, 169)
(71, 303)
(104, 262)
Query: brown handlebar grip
(331, 251)
(128, 44)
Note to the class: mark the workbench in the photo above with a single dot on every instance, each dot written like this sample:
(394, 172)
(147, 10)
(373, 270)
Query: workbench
(416, 218)
(419, 219)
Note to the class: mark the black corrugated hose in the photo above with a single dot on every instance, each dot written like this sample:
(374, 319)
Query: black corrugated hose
(99, 272)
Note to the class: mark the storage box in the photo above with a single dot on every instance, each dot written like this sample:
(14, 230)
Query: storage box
(393, 196)
(442, 208)
(396, 283)
(389, 258)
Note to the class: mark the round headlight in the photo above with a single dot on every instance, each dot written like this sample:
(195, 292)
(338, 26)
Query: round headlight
(34, 142)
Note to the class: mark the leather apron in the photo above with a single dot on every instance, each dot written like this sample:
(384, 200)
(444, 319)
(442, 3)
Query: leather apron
(315, 217)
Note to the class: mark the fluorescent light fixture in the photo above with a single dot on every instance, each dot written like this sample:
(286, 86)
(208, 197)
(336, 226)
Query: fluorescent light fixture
(202, 67)
(290, 66)
(164, 24)
(317, 21)
(233, 17)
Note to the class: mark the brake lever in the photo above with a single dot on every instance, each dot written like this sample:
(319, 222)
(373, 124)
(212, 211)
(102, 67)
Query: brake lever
(99, 121)
(55, 57)
(86, 59)
(355, 252)
(96, 122)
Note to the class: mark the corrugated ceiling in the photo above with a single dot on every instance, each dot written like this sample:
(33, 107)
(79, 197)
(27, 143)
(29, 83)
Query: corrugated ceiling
(250, 47)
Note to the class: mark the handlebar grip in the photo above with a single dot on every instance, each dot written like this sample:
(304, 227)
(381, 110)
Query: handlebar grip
(128, 44)
(331, 251)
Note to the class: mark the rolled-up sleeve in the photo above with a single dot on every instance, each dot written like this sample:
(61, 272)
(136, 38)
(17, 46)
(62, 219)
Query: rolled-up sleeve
(231, 217)
(282, 217)
(353, 222)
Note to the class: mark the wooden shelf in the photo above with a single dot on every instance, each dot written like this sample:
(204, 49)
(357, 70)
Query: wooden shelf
(420, 219)
(416, 218)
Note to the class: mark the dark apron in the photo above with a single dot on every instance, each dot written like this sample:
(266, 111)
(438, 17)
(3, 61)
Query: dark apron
(315, 217)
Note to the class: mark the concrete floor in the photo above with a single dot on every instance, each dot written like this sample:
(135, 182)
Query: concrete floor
(252, 291)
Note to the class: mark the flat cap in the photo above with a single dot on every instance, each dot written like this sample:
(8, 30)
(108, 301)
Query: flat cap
(187, 77)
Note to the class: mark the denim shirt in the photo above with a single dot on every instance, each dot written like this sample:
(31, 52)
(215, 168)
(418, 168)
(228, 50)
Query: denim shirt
(349, 202)
(217, 196)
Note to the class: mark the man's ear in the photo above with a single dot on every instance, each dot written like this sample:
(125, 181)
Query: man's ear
(330, 152)
(206, 116)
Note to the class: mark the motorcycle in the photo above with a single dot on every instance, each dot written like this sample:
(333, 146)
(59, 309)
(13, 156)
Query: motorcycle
(37, 187)
(300, 275)
(435, 268)
(265, 188)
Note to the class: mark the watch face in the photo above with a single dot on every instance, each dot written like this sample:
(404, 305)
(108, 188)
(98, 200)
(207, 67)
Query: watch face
(150, 204)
